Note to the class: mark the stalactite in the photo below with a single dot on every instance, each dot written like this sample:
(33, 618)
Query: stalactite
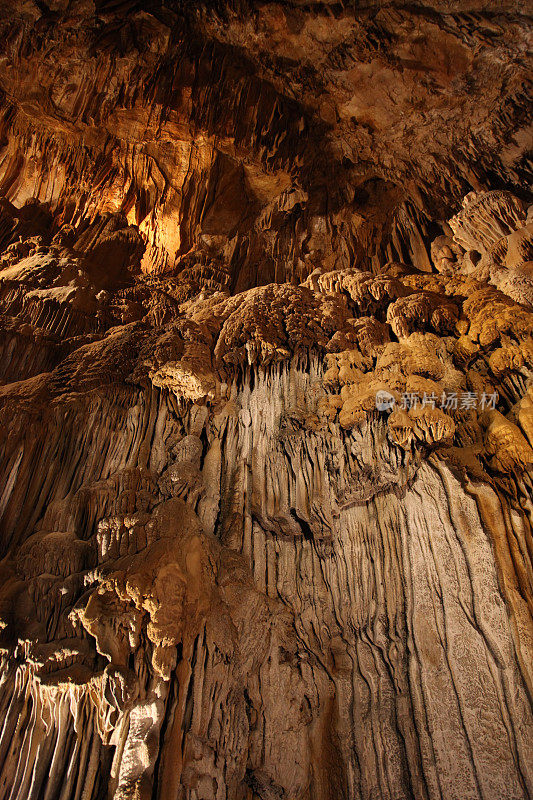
(266, 439)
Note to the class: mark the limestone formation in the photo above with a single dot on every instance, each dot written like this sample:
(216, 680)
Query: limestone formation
(266, 401)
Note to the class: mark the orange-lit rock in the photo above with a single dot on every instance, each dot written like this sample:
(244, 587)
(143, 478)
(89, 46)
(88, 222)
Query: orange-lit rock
(266, 401)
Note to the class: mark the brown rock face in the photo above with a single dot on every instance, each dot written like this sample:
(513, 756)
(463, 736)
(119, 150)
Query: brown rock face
(266, 401)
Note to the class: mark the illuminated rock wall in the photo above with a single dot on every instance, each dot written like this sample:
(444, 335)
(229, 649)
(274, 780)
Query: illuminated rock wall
(266, 404)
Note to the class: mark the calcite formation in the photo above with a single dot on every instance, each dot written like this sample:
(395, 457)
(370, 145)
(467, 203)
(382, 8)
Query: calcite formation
(266, 401)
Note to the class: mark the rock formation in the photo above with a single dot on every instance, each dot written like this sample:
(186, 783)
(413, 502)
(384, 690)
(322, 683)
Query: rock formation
(266, 401)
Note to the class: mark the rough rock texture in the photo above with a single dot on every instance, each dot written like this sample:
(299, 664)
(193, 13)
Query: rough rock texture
(225, 230)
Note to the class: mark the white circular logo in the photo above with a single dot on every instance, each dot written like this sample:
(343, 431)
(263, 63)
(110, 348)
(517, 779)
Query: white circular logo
(384, 401)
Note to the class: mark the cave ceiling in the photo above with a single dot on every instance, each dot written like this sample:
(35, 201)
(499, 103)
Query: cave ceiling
(266, 400)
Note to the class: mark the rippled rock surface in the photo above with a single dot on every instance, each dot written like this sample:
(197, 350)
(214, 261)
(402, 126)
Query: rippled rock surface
(266, 401)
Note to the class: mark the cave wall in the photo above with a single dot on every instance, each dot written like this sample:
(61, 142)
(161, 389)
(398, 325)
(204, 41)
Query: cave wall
(226, 572)
(268, 138)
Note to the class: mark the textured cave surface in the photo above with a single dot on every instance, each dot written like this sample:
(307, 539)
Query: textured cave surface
(224, 228)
